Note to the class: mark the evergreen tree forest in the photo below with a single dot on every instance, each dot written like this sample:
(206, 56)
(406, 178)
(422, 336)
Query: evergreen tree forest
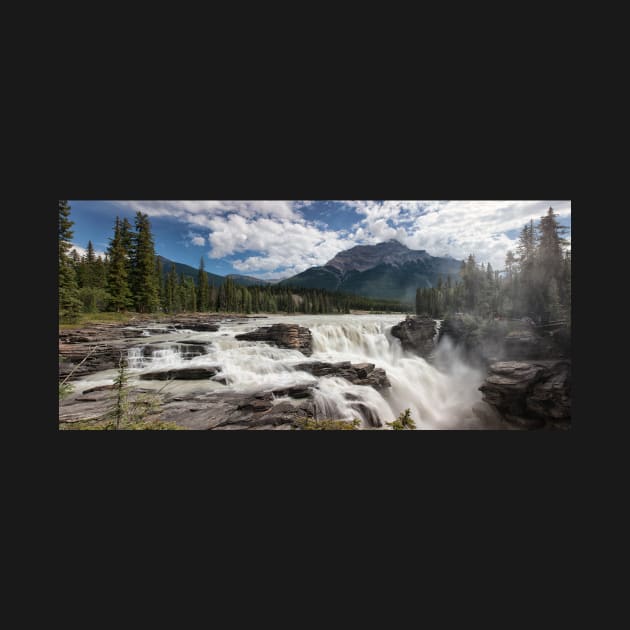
(535, 283)
(130, 277)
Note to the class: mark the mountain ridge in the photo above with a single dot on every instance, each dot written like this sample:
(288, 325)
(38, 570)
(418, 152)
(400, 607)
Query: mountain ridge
(387, 270)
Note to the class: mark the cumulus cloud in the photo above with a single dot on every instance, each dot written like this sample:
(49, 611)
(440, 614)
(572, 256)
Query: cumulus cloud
(455, 228)
(273, 238)
(281, 246)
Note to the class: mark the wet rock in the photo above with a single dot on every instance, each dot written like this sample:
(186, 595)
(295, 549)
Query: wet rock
(416, 334)
(191, 373)
(230, 410)
(256, 405)
(357, 373)
(370, 416)
(289, 336)
(99, 388)
(81, 360)
(530, 394)
(551, 398)
(295, 391)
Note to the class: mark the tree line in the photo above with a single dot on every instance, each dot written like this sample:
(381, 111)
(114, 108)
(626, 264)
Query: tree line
(536, 281)
(131, 277)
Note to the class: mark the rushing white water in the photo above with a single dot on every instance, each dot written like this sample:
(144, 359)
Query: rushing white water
(439, 393)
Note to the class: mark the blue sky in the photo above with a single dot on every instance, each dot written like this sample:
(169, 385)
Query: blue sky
(276, 239)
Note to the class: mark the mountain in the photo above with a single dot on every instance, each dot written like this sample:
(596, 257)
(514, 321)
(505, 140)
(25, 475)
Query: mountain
(387, 270)
(364, 257)
(213, 278)
(247, 281)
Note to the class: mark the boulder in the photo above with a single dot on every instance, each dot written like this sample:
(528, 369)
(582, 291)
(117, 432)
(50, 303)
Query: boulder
(230, 410)
(357, 373)
(416, 334)
(191, 373)
(289, 336)
(530, 394)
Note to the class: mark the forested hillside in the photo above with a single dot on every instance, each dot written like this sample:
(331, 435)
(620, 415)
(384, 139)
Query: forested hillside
(535, 283)
(131, 277)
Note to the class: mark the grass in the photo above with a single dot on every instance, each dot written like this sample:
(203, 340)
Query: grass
(107, 317)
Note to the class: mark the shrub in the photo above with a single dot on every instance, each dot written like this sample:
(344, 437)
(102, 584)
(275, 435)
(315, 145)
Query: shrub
(404, 421)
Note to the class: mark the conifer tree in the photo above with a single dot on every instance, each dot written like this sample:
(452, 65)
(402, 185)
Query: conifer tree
(159, 273)
(202, 284)
(172, 298)
(127, 237)
(117, 281)
(143, 280)
(70, 305)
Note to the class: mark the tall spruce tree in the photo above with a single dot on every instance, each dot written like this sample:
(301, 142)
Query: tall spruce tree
(159, 273)
(203, 288)
(171, 290)
(127, 237)
(143, 280)
(70, 305)
(117, 281)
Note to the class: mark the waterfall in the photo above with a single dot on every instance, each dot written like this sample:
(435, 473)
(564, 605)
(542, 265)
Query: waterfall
(439, 393)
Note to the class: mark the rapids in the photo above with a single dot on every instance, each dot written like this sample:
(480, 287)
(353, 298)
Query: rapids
(439, 392)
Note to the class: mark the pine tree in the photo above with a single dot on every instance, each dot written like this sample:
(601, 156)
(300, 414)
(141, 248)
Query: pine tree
(143, 279)
(70, 305)
(89, 267)
(117, 281)
(202, 283)
(127, 238)
(171, 291)
(159, 273)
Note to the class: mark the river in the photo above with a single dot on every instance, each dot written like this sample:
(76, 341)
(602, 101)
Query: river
(440, 392)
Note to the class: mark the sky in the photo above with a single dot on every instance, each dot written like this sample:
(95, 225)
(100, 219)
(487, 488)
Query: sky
(277, 239)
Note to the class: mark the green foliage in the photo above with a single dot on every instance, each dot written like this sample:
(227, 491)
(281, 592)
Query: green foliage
(125, 414)
(69, 303)
(93, 299)
(308, 424)
(144, 282)
(131, 277)
(535, 283)
(403, 422)
(118, 271)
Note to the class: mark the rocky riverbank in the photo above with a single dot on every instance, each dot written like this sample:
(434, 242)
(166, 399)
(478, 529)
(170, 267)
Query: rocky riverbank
(416, 334)
(528, 383)
(531, 395)
(99, 347)
(95, 347)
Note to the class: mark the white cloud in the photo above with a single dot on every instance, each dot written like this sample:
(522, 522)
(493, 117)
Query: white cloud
(200, 212)
(456, 228)
(282, 246)
(278, 241)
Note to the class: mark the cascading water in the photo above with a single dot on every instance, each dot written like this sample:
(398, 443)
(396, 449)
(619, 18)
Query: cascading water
(439, 394)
